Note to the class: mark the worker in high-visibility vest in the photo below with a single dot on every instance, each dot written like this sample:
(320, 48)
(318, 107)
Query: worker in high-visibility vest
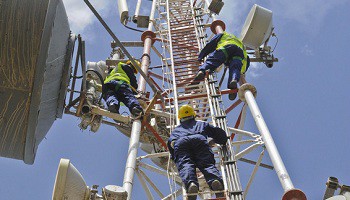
(228, 49)
(189, 148)
(120, 86)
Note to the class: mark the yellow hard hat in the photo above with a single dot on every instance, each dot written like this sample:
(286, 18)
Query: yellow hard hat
(186, 111)
(134, 68)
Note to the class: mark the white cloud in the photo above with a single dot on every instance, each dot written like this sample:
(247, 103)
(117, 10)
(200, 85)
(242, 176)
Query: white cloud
(80, 16)
(234, 14)
(306, 50)
(308, 15)
(254, 70)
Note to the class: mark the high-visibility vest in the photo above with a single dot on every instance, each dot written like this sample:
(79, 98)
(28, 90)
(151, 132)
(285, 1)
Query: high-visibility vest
(228, 39)
(244, 61)
(118, 74)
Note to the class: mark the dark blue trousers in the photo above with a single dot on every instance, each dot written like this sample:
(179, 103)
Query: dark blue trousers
(191, 152)
(115, 93)
(218, 57)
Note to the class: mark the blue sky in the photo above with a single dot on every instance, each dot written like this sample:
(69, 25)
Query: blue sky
(304, 99)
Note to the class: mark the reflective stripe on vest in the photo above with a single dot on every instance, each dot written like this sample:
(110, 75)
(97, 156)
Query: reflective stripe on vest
(244, 61)
(118, 74)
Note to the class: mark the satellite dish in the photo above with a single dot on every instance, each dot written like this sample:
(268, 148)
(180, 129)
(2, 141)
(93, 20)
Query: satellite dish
(257, 27)
(34, 75)
(69, 184)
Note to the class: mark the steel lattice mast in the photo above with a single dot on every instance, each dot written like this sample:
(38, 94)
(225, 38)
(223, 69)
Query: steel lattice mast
(177, 30)
(181, 30)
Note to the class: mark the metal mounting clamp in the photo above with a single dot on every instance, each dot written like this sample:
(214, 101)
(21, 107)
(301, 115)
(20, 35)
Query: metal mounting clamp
(244, 88)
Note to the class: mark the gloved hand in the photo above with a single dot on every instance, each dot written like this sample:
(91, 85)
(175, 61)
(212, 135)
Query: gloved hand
(138, 94)
(172, 144)
(211, 142)
(229, 140)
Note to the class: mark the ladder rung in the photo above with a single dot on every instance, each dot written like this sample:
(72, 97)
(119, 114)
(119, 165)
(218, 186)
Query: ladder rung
(215, 95)
(184, 43)
(176, 57)
(187, 67)
(191, 87)
(182, 28)
(182, 37)
(191, 92)
(183, 16)
(189, 53)
(177, 51)
(185, 57)
(229, 162)
(185, 74)
(182, 40)
(184, 62)
(220, 116)
(236, 192)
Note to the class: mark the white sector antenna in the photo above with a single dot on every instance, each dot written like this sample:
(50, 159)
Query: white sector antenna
(338, 197)
(123, 11)
(257, 27)
(69, 184)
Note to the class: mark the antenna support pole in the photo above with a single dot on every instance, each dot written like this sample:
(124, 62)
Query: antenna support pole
(130, 168)
(247, 93)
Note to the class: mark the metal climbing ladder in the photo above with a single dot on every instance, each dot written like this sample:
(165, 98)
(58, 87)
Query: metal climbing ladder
(182, 30)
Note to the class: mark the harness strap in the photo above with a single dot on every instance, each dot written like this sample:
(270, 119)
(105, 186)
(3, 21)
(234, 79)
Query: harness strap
(226, 55)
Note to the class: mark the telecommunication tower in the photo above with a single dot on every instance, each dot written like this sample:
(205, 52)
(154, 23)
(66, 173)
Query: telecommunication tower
(175, 30)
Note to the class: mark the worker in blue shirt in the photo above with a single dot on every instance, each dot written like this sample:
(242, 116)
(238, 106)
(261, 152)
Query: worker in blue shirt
(189, 148)
(120, 86)
(228, 49)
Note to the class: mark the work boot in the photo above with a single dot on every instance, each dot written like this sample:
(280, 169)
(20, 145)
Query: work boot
(216, 185)
(192, 189)
(199, 77)
(232, 86)
(113, 108)
(136, 111)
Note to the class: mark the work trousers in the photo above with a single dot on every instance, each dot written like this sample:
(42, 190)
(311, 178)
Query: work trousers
(115, 93)
(218, 57)
(191, 152)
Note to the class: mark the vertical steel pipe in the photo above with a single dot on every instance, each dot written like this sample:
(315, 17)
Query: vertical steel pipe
(136, 126)
(290, 192)
(137, 11)
(132, 154)
(148, 39)
(269, 143)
